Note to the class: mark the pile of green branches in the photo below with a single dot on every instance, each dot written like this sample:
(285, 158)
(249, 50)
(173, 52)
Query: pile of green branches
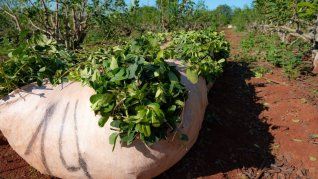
(136, 90)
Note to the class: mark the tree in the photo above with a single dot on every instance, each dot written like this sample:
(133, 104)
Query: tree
(243, 17)
(7, 27)
(223, 14)
(64, 20)
(201, 5)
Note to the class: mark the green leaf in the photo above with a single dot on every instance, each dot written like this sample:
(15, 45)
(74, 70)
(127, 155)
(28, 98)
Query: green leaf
(147, 130)
(119, 76)
(99, 100)
(156, 73)
(102, 121)
(116, 48)
(108, 108)
(95, 75)
(159, 92)
(192, 76)
(113, 138)
(10, 55)
(141, 115)
(94, 98)
(115, 123)
(157, 110)
(179, 102)
(144, 129)
(172, 108)
(42, 69)
(160, 54)
(132, 70)
(221, 61)
(172, 77)
(113, 63)
(154, 106)
(154, 121)
(129, 138)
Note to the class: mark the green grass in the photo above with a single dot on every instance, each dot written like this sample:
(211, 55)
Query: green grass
(262, 47)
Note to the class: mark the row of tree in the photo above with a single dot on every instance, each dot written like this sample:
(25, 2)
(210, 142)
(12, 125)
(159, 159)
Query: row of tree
(296, 16)
(280, 12)
(71, 22)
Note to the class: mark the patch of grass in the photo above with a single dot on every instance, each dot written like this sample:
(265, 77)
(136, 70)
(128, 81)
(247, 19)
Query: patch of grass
(315, 92)
(260, 71)
(262, 47)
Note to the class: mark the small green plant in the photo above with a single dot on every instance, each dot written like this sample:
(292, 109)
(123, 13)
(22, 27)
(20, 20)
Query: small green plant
(203, 52)
(260, 71)
(258, 47)
(315, 92)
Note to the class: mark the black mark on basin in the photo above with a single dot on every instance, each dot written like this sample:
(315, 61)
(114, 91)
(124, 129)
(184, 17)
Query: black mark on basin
(43, 124)
(81, 160)
(68, 167)
(82, 165)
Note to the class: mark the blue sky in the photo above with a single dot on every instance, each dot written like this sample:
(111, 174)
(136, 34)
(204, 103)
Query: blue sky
(212, 4)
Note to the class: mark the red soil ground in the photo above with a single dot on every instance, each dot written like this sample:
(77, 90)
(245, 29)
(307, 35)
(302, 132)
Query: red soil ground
(254, 128)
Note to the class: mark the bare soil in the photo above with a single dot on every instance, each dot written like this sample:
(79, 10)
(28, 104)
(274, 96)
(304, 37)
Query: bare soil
(254, 128)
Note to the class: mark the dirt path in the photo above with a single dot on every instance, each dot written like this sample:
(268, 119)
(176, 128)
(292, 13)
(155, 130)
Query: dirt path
(254, 128)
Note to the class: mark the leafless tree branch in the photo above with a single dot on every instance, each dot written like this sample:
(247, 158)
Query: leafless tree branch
(13, 16)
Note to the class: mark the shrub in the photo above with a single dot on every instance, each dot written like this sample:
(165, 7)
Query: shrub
(33, 61)
(270, 48)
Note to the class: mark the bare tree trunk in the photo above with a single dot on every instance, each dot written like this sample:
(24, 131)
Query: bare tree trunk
(315, 63)
(181, 9)
(13, 16)
(315, 44)
(162, 16)
(67, 23)
(47, 16)
(16, 20)
(57, 35)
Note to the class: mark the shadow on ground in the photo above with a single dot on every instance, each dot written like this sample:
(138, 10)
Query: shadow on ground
(3, 140)
(232, 135)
